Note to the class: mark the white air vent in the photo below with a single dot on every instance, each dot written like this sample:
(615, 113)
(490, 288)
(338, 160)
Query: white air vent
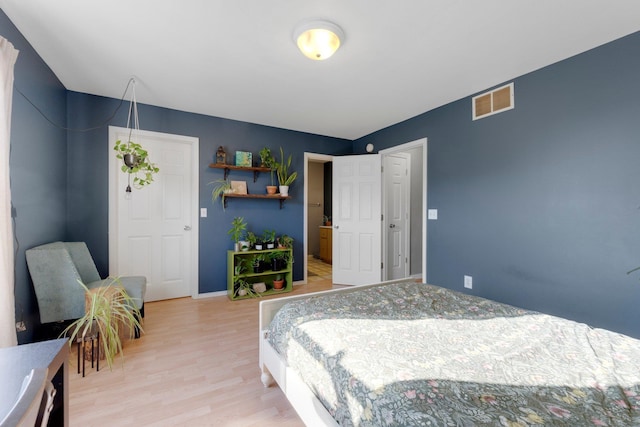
(493, 102)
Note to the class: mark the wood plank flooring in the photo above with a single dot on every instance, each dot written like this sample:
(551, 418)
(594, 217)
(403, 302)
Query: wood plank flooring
(195, 365)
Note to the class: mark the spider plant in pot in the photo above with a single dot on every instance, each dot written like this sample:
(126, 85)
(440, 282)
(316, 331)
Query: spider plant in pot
(268, 161)
(242, 288)
(221, 187)
(285, 179)
(237, 230)
(109, 311)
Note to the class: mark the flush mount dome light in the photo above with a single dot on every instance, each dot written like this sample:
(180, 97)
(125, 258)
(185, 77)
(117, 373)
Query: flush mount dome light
(318, 40)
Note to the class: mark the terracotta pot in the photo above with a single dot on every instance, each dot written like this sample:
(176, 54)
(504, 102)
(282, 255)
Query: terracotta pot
(278, 284)
(271, 189)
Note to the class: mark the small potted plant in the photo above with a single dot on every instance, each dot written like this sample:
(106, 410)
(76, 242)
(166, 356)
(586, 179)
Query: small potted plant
(238, 227)
(136, 163)
(221, 188)
(252, 239)
(326, 220)
(268, 161)
(285, 242)
(285, 178)
(269, 238)
(242, 288)
(278, 282)
(279, 260)
(259, 263)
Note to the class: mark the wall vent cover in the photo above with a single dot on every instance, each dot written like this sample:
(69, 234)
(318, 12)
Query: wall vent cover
(493, 102)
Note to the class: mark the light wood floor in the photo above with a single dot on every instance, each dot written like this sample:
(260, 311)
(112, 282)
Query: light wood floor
(196, 365)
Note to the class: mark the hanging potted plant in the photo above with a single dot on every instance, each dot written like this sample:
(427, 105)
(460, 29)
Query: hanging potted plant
(135, 159)
(285, 178)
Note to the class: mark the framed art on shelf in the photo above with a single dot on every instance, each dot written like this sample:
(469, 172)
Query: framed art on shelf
(244, 158)
(239, 187)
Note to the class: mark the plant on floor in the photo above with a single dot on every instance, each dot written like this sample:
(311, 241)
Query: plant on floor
(110, 311)
(238, 227)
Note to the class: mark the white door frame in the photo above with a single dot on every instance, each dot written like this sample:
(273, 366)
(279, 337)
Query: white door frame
(422, 142)
(114, 168)
(323, 158)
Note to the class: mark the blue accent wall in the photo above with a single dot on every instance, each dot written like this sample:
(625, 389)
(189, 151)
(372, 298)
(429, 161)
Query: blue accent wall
(38, 166)
(541, 204)
(88, 179)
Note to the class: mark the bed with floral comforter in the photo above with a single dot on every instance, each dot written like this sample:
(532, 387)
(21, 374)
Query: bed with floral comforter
(412, 354)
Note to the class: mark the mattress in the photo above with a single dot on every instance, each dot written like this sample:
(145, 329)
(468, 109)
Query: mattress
(411, 354)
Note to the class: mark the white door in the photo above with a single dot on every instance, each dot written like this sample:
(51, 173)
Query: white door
(153, 232)
(356, 219)
(396, 222)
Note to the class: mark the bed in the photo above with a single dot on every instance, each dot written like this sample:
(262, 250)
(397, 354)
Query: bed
(411, 354)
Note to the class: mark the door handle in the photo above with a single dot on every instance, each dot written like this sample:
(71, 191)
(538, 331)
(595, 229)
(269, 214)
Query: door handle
(187, 228)
(392, 226)
(336, 226)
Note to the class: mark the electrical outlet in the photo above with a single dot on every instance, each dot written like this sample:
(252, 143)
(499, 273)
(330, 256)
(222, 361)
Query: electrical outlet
(20, 326)
(468, 282)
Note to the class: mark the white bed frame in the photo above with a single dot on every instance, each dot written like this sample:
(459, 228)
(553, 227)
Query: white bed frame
(274, 367)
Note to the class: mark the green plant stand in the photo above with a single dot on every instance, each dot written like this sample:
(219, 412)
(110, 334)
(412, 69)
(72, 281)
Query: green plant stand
(267, 276)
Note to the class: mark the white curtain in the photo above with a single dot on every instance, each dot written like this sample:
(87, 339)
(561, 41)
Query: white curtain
(8, 56)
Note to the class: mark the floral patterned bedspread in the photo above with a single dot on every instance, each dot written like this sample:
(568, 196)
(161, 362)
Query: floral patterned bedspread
(411, 354)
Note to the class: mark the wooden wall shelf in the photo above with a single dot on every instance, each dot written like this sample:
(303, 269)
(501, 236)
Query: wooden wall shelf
(255, 169)
(256, 196)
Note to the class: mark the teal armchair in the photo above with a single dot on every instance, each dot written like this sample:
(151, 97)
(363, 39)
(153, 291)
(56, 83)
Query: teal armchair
(56, 269)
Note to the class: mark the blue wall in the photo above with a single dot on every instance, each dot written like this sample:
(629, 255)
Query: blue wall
(38, 166)
(540, 204)
(88, 179)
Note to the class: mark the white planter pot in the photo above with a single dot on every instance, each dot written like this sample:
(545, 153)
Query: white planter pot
(284, 190)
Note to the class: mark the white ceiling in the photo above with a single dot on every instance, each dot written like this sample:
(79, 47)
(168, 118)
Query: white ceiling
(237, 59)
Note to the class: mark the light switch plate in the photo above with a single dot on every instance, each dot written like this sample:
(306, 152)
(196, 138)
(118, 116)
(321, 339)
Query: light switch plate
(432, 214)
(203, 212)
(468, 282)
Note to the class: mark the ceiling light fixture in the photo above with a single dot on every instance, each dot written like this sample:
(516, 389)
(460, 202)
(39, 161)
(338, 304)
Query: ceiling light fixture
(318, 40)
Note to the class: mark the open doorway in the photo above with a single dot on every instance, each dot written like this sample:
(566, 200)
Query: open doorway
(317, 209)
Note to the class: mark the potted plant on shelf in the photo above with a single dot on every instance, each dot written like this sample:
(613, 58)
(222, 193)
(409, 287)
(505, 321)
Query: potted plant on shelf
(242, 288)
(278, 282)
(221, 188)
(269, 238)
(136, 163)
(252, 239)
(279, 260)
(285, 178)
(259, 263)
(285, 242)
(268, 161)
(109, 311)
(238, 227)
